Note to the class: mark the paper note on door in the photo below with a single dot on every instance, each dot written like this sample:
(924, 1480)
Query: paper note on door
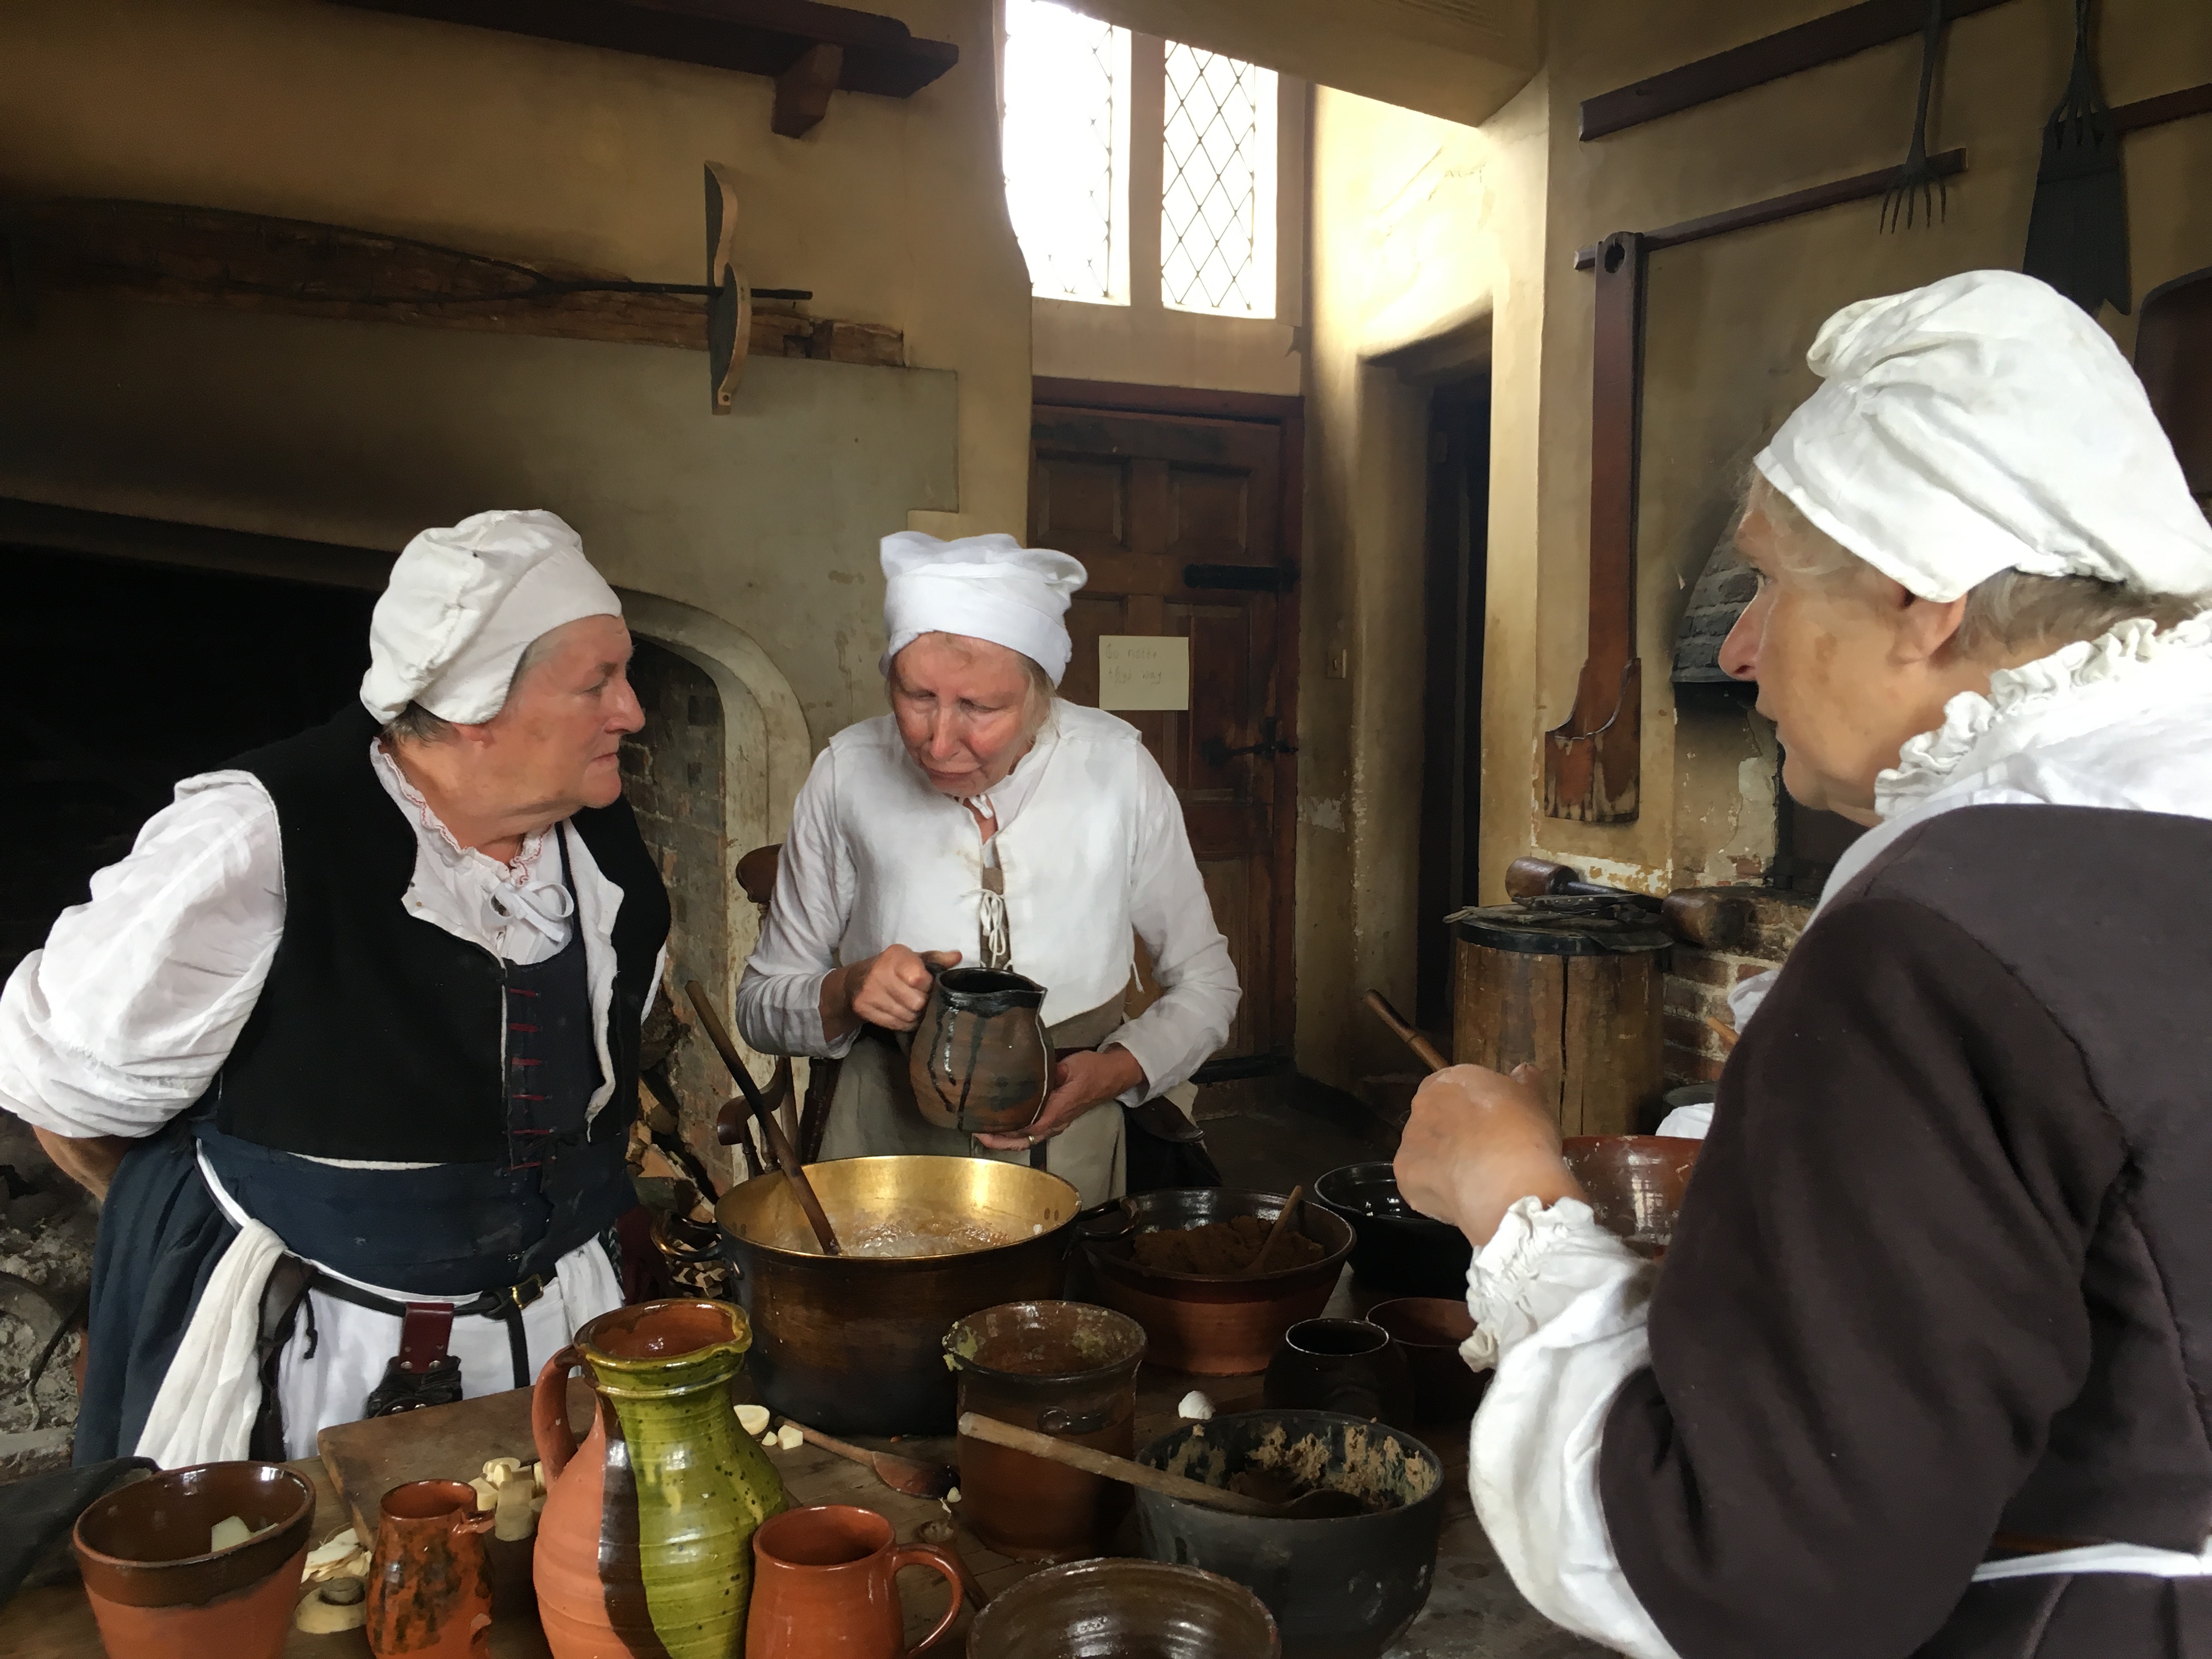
(1144, 671)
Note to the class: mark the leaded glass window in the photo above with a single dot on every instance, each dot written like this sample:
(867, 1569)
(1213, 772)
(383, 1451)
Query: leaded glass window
(1066, 146)
(1218, 195)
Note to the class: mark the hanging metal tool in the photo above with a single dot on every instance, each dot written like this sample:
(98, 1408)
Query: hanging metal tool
(2077, 228)
(1919, 195)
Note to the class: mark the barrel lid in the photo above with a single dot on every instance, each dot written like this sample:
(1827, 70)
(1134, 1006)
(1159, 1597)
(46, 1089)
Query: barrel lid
(1550, 931)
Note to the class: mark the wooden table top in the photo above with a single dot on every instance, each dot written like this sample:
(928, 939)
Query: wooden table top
(1474, 1612)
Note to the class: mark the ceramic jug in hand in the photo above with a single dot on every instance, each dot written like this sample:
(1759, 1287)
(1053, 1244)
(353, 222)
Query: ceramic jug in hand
(644, 1545)
(980, 1061)
(430, 1587)
(825, 1586)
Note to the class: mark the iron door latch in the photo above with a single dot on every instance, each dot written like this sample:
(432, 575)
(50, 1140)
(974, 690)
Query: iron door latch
(1217, 753)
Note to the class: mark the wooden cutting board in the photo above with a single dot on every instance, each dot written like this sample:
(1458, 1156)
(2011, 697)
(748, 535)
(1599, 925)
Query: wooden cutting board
(438, 1442)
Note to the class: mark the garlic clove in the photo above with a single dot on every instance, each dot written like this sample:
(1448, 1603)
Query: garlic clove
(753, 1419)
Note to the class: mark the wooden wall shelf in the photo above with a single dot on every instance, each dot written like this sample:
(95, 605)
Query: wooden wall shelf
(809, 50)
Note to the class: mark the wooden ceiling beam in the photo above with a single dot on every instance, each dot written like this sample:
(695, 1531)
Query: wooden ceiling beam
(799, 44)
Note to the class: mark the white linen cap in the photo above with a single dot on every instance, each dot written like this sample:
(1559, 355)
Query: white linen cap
(463, 605)
(1985, 423)
(987, 587)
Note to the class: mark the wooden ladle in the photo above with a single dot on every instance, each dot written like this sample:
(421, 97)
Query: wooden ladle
(786, 1158)
(1306, 1506)
(1424, 1050)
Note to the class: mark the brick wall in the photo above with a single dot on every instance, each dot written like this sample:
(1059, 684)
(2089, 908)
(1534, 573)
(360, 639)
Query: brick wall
(673, 775)
(1698, 981)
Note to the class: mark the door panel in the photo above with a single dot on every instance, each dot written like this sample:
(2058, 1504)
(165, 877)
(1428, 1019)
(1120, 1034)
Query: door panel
(1138, 498)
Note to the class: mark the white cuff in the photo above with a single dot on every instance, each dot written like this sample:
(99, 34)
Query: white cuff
(1537, 1262)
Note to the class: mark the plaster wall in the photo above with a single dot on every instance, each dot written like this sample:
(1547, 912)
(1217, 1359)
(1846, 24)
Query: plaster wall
(1425, 232)
(889, 210)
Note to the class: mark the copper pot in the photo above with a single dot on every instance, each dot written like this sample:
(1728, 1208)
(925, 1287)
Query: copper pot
(853, 1343)
(981, 1062)
(1216, 1325)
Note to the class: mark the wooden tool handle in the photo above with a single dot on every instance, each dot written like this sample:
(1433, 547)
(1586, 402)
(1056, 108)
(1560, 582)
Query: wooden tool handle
(1425, 1050)
(786, 1159)
(1282, 1221)
(1108, 1466)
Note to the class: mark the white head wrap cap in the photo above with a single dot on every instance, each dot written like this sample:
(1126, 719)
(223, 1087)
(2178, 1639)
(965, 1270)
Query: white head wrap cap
(987, 587)
(1985, 423)
(463, 605)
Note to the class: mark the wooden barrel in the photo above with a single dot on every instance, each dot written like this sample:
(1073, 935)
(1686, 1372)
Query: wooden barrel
(1576, 996)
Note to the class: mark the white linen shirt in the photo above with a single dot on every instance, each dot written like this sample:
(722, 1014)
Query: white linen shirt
(2123, 722)
(123, 1019)
(1091, 844)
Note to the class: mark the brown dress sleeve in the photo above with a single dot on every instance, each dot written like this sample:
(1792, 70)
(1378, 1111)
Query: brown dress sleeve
(1873, 1307)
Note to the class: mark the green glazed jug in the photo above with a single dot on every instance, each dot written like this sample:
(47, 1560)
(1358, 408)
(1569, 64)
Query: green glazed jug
(645, 1545)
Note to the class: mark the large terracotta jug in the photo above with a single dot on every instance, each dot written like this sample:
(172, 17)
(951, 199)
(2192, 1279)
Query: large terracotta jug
(645, 1546)
(981, 1060)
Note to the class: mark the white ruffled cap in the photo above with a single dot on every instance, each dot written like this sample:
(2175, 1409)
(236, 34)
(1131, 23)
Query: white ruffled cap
(986, 587)
(1985, 423)
(463, 605)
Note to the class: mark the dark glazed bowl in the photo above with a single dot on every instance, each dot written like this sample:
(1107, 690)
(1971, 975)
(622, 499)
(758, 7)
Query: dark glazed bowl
(1344, 1586)
(1122, 1609)
(1213, 1324)
(156, 1588)
(1399, 1250)
(1635, 1183)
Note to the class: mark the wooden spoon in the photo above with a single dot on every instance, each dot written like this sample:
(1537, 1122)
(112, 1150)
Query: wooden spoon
(1306, 1506)
(1425, 1050)
(786, 1158)
(1282, 1221)
(906, 1475)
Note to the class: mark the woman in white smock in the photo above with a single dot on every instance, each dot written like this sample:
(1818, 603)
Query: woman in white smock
(985, 821)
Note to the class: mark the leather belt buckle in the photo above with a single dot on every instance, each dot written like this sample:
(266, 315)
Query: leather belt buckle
(527, 1291)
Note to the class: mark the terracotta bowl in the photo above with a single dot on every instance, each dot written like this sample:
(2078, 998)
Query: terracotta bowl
(157, 1589)
(1635, 1182)
(1428, 1330)
(1113, 1609)
(1213, 1325)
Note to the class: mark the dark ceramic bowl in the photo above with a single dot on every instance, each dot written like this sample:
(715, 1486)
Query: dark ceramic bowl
(1428, 1330)
(155, 1587)
(1344, 1587)
(1399, 1250)
(1216, 1325)
(1118, 1609)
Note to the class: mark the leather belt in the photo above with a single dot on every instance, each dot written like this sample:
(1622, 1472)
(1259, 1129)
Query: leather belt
(422, 1373)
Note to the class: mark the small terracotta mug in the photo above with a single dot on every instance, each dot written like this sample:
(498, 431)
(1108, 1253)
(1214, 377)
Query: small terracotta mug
(825, 1587)
(430, 1585)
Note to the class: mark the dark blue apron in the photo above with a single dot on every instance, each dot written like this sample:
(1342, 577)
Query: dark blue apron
(450, 1230)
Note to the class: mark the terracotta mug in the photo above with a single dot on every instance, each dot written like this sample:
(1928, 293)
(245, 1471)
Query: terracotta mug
(825, 1586)
(156, 1588)
(981, 1062)
(429, 1584)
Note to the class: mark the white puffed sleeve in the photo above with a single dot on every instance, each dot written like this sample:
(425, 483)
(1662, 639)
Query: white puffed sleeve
(126, 1017)
(1559, 1305)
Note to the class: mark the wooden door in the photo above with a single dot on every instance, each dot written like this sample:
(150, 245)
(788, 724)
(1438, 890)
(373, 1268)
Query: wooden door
(1181, 505)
